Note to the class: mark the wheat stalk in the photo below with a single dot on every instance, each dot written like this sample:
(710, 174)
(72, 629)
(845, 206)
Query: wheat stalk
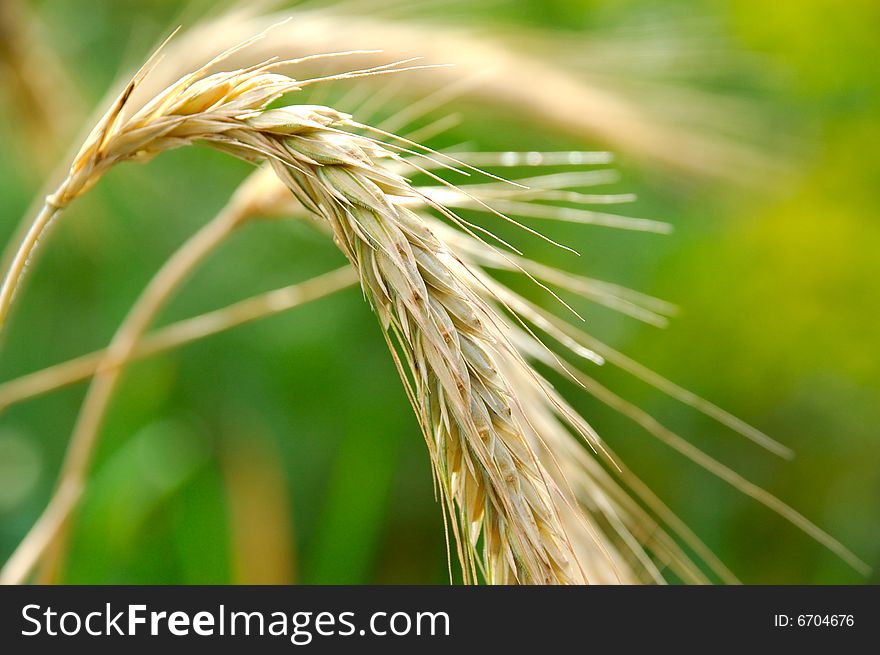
(496, 431)
(490, 480)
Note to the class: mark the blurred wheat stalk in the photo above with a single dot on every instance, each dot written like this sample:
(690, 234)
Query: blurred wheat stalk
(524, 500)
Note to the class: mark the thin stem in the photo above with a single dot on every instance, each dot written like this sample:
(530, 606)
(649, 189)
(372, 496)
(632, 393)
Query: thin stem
(38, 539)
(23, 255)
(46, 540)
(179, 334)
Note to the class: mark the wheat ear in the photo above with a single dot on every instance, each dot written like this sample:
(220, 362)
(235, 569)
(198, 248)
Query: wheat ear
(511, 511)
(492, 484)
(445, 341)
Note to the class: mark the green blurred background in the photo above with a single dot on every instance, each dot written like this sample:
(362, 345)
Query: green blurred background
(285, 450)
